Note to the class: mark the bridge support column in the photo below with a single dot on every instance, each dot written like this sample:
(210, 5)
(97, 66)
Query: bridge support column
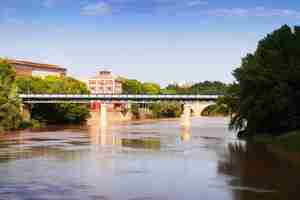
(25, 112)
(186, 116)
(103, 116)
(197, 109)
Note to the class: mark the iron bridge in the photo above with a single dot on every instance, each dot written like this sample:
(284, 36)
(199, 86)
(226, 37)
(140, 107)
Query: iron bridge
(87, 98)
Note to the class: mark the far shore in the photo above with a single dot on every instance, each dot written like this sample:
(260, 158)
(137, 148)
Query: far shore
(56, 127)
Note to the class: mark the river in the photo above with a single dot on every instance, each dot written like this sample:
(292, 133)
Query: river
(143, 161)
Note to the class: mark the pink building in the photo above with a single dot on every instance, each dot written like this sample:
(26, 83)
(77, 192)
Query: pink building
(104, 83)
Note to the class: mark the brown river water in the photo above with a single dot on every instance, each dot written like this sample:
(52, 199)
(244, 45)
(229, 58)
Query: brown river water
(143, 161)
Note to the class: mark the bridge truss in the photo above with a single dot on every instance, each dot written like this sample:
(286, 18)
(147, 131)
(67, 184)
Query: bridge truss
(81, 98)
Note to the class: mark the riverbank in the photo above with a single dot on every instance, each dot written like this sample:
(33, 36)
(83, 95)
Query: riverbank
(53, 127)
(289, 142)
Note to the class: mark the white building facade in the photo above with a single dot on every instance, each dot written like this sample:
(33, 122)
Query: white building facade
(104, 83)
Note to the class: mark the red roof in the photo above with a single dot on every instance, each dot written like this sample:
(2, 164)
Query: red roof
(35, 65)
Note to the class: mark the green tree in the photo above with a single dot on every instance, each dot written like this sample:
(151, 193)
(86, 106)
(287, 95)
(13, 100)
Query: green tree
(34, 85)
(269, 89)
(166, 109)
(10, 117)
(204, 88)
(131, 86)
(168, 91)
(150, 88)
(55, 113)
(208, 87)
(177, 88)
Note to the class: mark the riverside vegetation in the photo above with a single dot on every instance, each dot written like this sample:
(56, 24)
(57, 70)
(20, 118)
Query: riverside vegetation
(265, 97)
(10, 117)
(263, 100)
(63, 113)
(10, 105)
(170, 109)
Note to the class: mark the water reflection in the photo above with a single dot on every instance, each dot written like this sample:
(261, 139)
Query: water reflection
(258, 173)
(143, 161)
(142, 143)
(105, 137)
(185, 134)
(102, 136)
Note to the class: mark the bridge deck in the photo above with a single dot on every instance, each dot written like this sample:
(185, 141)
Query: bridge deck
(74, 98)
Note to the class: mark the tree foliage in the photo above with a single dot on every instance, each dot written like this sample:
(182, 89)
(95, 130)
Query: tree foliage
(204, 88)
(150, 88)
(55, 113)
(10, 117)
(168, 91)
(269, 85)
(209, 87)
(216, 110)
(131, 86)
(166, 109)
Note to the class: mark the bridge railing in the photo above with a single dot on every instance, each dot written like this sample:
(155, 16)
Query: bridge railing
(114, 96)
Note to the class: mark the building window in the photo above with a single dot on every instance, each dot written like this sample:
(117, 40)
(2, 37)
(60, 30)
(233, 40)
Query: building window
(109, 82)
(92, 82)
(109, 88)
(101, 82)
(105, 83)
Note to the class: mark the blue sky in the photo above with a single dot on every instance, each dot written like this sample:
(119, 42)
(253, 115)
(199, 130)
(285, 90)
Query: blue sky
(150, 40)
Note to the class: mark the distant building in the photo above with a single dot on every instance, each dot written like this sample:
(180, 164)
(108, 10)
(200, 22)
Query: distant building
(27, 68)
(183, 84)
(104, 83)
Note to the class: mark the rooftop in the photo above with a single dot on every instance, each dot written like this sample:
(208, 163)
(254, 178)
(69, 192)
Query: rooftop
(35, 64)
(104, 74)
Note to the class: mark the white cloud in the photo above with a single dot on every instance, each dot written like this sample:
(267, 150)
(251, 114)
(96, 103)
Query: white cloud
(229, 12)
(100, 8)
(183, 7)
(193, 3)
(254, 12)
(140, 6)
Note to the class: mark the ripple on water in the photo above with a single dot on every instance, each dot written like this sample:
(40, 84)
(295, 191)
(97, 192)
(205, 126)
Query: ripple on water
(251, 189)
(141, 198)
(128, 172)
(41, 191)
(156, 162)
(99, 197)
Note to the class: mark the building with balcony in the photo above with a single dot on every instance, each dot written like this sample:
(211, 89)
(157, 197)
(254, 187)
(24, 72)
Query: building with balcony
(27, 68)
(104, 83)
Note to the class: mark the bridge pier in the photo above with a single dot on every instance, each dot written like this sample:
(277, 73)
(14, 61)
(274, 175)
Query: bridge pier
(25, 112)
(186, 116)
(103, 116)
